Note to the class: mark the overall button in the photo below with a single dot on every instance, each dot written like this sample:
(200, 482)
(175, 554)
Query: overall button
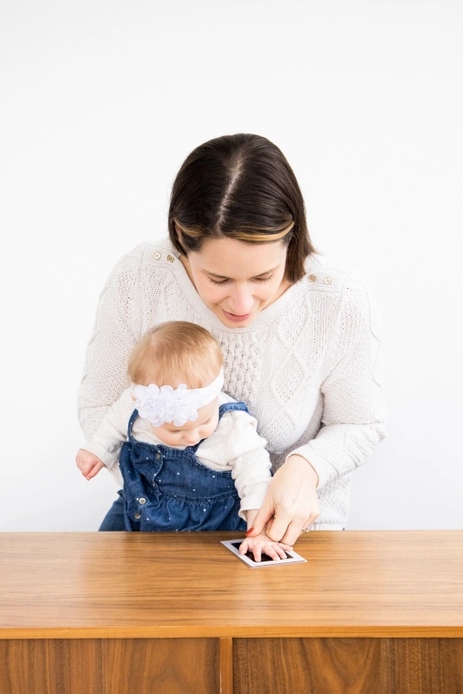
(142, 500)
(137, 516)
(158, 455)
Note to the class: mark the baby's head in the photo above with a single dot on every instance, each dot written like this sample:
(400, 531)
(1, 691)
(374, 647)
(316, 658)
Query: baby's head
(173, 354)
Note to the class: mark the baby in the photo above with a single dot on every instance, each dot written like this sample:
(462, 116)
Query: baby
(189, 455)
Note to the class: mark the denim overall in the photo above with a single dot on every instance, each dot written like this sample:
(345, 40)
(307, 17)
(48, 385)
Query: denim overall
(169, 489)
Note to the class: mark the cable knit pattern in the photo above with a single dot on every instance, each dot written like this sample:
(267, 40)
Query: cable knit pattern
(308, 367)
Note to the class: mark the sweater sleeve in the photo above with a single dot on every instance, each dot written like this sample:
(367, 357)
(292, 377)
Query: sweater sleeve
(353, 414)
(115, 332)
(111, 433)
(248, 459)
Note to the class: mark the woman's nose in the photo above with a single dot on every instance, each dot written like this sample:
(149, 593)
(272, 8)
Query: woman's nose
(241, 301)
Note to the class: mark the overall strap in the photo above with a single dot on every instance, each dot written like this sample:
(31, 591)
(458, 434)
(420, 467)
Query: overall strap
(133, 417)
(232, 406)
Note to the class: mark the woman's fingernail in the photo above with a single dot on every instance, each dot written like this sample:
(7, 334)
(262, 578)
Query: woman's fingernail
(248, 532)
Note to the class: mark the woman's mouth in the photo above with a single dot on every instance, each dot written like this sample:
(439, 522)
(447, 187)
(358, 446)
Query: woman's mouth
(236, 318)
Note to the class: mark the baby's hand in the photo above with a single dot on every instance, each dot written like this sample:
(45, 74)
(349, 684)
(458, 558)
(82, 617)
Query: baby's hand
(88, 463)
(264, 545)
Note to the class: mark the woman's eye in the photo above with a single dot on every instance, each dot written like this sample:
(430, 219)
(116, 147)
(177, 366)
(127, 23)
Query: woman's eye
(256, 279)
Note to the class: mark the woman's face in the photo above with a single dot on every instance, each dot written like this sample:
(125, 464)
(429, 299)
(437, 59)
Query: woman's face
(236, 280)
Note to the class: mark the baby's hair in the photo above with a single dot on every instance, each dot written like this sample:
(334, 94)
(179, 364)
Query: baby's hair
(173, 353)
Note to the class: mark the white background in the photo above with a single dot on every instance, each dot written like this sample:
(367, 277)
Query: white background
(100, 103)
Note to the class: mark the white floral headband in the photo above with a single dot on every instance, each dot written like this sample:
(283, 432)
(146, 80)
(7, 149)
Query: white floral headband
(179, 405)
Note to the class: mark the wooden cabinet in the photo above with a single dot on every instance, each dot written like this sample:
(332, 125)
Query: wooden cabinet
(123, 613)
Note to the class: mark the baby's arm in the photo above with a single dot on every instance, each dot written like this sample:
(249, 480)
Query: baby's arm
(261, 544)
(250, 463)
(103, 448)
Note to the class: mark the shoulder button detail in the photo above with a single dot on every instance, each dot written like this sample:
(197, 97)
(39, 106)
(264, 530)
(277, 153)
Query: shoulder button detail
(327, 280)
(312, 278)
(157, 256)
(170, 258)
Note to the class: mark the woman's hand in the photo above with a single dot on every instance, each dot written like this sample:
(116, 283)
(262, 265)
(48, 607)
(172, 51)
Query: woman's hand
(262, 544)
(291, 504)
(88, 463)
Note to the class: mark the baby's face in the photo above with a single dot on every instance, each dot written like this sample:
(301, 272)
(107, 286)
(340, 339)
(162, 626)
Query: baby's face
(192, 432)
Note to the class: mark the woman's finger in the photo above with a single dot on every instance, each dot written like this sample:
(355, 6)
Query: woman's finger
(264, 515)
(277, 530)
(293, 531)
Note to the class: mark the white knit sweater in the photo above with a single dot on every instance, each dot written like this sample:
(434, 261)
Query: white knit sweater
(308, 367)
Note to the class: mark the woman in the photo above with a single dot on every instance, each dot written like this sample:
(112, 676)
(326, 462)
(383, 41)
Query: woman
(299, 336)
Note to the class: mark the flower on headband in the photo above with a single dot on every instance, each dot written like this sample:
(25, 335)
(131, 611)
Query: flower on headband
(179, 405)
(164, 404)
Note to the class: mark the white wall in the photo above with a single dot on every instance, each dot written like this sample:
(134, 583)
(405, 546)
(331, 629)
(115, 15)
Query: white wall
(102, 100)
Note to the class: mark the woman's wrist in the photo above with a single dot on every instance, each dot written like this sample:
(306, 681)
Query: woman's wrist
(300, 461)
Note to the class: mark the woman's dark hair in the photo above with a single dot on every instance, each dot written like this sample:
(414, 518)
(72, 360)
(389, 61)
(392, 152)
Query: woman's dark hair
(241, 187)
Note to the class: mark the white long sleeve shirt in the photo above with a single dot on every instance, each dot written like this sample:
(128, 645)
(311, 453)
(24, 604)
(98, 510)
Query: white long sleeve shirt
(308, 367)
(234, 446)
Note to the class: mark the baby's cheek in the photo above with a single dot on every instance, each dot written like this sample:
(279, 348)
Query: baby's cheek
(214, 424)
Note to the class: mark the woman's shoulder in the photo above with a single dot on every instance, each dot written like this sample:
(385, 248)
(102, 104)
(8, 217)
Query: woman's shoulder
(323, 274)
(146, 263)
(341, 290)
(148, 253)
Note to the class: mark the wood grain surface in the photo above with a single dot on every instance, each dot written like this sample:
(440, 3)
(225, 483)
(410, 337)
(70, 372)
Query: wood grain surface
(110, 666)
(171, 585)
(353, 666)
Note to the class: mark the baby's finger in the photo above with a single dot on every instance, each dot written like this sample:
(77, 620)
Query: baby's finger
(280, 551)
(288, 548)
(272, 552)
(94, 471)
(244, 547)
